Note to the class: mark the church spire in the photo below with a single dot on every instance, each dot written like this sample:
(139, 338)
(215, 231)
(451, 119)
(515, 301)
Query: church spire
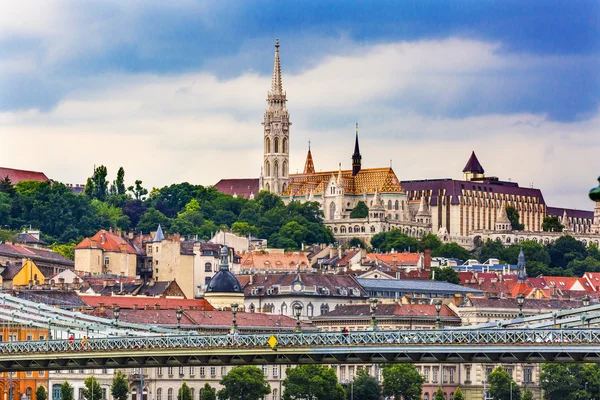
(521, 271)
(276, 85)
(356, 157)
(309, 166)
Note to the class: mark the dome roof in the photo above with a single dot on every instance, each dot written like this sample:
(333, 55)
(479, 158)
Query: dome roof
(224, 281)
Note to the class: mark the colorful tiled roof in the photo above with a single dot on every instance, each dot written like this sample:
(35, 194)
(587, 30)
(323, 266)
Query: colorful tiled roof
(240, 187)
(260, 261)
(383, 180)
(19, 175)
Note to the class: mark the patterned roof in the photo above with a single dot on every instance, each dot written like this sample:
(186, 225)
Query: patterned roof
(287, 261)
(18, 175)
(309, 166)
(383, 180)
(239, 187)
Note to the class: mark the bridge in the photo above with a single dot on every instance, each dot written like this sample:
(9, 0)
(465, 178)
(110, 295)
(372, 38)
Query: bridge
(565, 336)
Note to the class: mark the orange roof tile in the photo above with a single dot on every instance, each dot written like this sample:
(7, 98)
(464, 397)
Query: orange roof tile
(400, 258)
(290, 261)
(106, 241)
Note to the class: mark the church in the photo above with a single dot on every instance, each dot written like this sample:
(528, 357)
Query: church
(337, 192)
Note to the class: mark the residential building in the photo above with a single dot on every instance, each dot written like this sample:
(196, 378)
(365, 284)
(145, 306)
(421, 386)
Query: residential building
(415, 291)
(107, 252)
(20, 175)
(24, 273)
(48, 262)
(206, 263)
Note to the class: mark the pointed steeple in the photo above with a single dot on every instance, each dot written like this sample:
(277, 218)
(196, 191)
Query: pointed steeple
(356, 157)
(502, 215)
(565, 221)
(160, 236)
(423, 209)
(521, 271)
(339, 178)
(276, 84)
(473, 169)
(309, 166)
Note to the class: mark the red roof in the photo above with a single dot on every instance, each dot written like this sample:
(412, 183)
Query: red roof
(164, 303)
(400, 258)
(106, 241)
(19, 175)
(239, 187)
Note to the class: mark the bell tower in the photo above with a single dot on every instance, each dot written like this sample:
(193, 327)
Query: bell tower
(275, 175)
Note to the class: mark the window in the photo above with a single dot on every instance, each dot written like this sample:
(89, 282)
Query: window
(343, 373)
(265, 370)
(468, 374)
(192, 373)
(426, 396)
(452, 371)
(181, 371)
(213, 371)
(170, 371)
(192, 393)
(208, 267)
(104, 394)
(351, 372)
(41, 373)
(106, 261)
(159, 394)
(528, 374)
(170, 394)
(309, 310)
(275, 371)
(223, 371)
(434, 375)
(274, 394)
(80, 394)
(444, 374)
(159, 371)
(56, 392)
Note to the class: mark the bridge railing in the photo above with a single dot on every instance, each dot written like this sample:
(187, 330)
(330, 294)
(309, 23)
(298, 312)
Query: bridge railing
(321, 339)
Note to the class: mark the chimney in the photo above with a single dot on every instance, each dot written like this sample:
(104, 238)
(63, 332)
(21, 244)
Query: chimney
(61, 283)
(135, 306)
(147, 307)
(251, 279)
(331, 251)
(340, 252)
(93, 243)
(427, 260)
(157, 306)
(75, 281)
(123, 247)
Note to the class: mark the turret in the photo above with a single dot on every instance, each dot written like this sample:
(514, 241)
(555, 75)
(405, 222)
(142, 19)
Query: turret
(356, 157)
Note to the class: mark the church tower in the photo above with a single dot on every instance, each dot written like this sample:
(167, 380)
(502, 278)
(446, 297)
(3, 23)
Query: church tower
(356, 157)
(275, 175)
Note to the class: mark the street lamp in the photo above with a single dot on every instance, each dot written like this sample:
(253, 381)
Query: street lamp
(116, 313)
(179, 314)
(554, 315)
(298, 311)
(520, 301)
(583, 318)
(373, 311)
(234, 310)
(438, 308)
(586, 300)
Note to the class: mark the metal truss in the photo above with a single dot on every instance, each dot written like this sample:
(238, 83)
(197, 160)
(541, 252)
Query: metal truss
(504, 345)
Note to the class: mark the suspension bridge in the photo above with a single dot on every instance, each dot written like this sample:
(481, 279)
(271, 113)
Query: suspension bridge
(565, 336)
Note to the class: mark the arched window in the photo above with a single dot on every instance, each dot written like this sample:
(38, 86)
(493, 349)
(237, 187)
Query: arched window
(170, 394)
(362, 229)
(331, 210)
(274, 394)
(309, 310)
(372, 229)
(396, 205)
(343, 229)
(267, 169)
(267, 145)
(426, 396)
(284, 309)
(284, 148)
(335, 230)
(252, 308)
(276, 169)
(28, 393)
(268, 187)
(356, 229)
(192, 393)
(276, 146)
(284, 169)
(389, 204)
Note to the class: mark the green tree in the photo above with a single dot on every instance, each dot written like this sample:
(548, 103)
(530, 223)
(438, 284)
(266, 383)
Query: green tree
(244, 228)
(120, 182)
(310, 381)
(394, 239)
(184, 392)
(527, 395)
(356, 242)
(92, 389)
(402, 380)
(65, 250)
(439, 394)
(208, 393)
(445, 274)
(452, 250)
(513, 217)
(491, 249)
(459, 396)
(559, 381)
(500, 385)
(138, 190)
(244, 383)
(40, 393)
(100, 188)
(552, 224)
(151, 219)
(6, 186)
(119, 388)
(361, 210)
(364, 387)
(66, 391)
(429, 241)
(566, 249)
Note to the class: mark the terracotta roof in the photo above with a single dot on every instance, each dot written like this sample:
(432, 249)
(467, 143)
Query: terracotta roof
(128, 302)
(561, 282)
(19, 175)
(473, 165)
(239, 187)
(383, 180)
(309, 166)
(35, 254)
(107, 241)
(383, 310)
(400, 258)
(346, 258)
(289, 261)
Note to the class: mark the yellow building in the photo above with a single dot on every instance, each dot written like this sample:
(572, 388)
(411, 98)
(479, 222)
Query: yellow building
(106, 253)
(21, 274)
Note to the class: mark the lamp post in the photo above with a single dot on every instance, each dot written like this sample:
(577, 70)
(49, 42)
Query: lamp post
(373, 311)
(520, 301)
(179, 314)
(438, 308)
(298, 311)
(586, 300)
(116, 313)
(583, 318)
(554, 320)
(234, 310)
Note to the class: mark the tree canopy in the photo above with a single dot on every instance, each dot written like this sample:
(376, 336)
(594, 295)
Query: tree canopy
(184, 392)
(244, 383)
(446, 274)
(311, 381)
(208, 392)
(513, 217)
(570, 381)
(66, 391)
(119, 388)
(501, 384)
(40, 393)
(402, 380)
(363, 387)
(361, 210)
(552, 224)
(92, 389)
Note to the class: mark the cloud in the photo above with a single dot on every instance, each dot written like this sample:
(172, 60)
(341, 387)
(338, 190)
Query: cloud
(196, 127)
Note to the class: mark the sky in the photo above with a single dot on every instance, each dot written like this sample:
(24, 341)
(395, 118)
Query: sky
(175, 91)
